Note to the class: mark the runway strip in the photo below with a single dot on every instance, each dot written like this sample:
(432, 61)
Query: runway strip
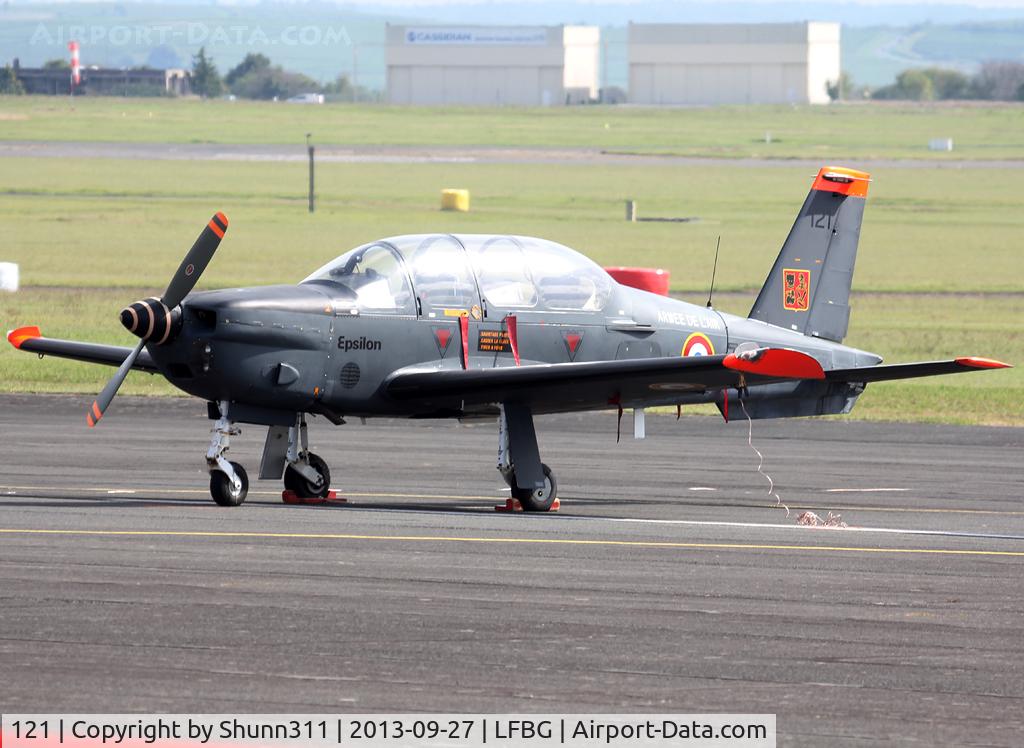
(440, 154)
(123, 587)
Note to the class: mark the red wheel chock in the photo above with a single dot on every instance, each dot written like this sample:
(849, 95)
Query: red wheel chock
(290, 497)
(513, 505)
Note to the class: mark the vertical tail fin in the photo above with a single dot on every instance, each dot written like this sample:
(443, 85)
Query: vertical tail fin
(808, 289)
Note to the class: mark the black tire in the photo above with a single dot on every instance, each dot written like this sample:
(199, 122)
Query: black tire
(537, 500)
(223, 492)
(294, 481)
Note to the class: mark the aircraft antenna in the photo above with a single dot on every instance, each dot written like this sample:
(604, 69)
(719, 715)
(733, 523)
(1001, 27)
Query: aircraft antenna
(714, 270)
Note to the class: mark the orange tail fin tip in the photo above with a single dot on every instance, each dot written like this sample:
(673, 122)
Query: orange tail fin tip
(845, 181)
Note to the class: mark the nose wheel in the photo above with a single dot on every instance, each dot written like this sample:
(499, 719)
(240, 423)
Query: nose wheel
(229, 483)
(227, 492)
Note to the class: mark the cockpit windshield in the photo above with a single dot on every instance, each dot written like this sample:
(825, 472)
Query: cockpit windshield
(376, 275)
(510, 271)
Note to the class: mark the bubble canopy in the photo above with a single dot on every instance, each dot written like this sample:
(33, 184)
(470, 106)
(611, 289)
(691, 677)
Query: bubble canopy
(453, 271)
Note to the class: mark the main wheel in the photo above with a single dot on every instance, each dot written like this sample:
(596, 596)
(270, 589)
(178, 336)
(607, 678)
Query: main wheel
(223, 490)
(537, 499)
(304, 489)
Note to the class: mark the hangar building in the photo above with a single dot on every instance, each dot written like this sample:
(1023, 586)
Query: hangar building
(492, 65)
(769, 63)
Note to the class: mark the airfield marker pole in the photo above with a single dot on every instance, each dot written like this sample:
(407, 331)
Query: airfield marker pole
(312, 190)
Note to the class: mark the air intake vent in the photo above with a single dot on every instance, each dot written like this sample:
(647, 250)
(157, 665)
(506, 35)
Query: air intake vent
(349, 375)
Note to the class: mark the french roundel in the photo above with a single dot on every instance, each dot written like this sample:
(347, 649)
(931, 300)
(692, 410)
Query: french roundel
(698, 344)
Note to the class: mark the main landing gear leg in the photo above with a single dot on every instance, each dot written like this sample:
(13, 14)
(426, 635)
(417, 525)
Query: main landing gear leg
(306, 473)
(532, 482)
(229, 483)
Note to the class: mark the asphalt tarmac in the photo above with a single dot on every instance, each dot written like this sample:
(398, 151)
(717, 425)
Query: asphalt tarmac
(668, 582)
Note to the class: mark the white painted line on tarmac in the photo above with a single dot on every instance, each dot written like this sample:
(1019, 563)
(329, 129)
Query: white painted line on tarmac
(801, 528)
(866, 490)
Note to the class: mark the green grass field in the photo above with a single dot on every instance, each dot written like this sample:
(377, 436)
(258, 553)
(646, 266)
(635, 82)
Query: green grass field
(939, 271)
(852, 131)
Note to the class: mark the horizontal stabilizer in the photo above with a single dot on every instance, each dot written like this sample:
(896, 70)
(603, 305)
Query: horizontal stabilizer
(30, 339)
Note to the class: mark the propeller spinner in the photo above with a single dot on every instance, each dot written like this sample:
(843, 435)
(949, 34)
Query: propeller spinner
(159, 320)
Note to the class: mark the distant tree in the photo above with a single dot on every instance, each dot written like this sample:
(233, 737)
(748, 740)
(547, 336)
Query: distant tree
(840, 88)
(250, 63)
(948, 84)
(910, 84)
(162, 57)
(205, 78)
(9, 83)
(57, 64)
(273, 83)
(1020, 93)
(916, 85)
(340, 87)
(999, 80)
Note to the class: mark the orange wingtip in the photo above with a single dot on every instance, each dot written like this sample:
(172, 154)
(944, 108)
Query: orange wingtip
(843, 181)
(19, 336)
(976, 362)
(776, 362)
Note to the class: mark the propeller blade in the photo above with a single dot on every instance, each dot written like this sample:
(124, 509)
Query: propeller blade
(195, 261)
(100, 404)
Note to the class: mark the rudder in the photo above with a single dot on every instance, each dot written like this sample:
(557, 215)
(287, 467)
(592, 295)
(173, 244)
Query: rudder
(808, 288)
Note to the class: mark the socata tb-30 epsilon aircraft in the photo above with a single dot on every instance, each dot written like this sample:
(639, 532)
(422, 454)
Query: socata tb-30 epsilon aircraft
(469, 326)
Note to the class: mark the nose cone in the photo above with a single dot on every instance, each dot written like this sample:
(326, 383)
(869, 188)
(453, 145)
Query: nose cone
(130, 318)
(151, 320)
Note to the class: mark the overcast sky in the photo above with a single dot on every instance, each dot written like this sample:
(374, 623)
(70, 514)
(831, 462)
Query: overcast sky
(977, 3)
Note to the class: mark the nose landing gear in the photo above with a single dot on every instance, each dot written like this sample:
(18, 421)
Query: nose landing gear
(229, 483)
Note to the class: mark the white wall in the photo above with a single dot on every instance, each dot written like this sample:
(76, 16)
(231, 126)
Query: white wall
(823, 65)
(731, 63)
(491, 66)
(582, 59)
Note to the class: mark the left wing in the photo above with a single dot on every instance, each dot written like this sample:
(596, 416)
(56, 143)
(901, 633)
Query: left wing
(31, 339)
(572, 386)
